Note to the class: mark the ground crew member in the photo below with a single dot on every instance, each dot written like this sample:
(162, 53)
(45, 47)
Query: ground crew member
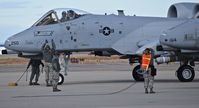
(35, 70)
(55, 72)
(47, 56)
(148, 69)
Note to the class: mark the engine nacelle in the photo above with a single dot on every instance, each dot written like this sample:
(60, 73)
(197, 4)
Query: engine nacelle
(184, 10)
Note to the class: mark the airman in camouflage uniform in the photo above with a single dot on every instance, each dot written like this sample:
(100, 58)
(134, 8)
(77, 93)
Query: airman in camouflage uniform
(148, 74)
(35, 70)
(47, 56)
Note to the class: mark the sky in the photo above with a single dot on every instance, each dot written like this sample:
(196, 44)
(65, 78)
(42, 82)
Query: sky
(18, 15)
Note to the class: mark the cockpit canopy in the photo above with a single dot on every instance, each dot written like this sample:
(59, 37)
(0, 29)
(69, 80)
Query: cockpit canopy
(60, 15)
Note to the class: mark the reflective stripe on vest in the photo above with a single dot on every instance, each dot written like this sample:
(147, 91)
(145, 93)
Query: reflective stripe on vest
(146, 58)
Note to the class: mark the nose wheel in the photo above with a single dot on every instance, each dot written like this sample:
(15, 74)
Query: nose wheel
(137, 74)
(185, 73)
(61, 79)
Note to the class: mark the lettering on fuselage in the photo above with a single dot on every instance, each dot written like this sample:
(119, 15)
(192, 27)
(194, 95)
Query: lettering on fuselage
(106, 31)
(28, 42)
(189, 37)
(172, 40)
(43, 33)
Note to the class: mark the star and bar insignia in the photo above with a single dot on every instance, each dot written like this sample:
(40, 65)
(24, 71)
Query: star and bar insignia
(106, 31)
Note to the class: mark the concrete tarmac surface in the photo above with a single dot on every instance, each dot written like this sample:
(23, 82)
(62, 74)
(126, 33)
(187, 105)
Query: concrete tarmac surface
(98, 86)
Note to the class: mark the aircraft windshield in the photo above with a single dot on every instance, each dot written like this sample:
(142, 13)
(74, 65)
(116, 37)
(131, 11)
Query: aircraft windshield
(60, 15)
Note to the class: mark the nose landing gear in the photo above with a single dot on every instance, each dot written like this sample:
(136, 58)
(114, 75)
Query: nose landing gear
(61, 79)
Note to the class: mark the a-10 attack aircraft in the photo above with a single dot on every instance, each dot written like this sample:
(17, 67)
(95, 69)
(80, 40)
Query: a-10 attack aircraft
(174, 38)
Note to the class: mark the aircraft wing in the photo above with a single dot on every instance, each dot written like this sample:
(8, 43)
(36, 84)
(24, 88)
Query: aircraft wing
(142, 37)
(131, 47)
(151, 44)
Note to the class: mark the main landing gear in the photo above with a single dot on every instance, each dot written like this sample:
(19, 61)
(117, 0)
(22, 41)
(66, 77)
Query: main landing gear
(185, 73)
(137, 74)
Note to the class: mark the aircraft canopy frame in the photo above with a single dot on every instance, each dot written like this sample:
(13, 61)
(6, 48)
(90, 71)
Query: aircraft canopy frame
(60, 15)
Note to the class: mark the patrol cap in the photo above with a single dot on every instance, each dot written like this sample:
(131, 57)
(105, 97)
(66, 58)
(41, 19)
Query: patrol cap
(47, 47)
(147, 50)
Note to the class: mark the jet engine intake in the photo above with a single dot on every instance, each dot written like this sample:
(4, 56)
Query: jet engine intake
(184, 10)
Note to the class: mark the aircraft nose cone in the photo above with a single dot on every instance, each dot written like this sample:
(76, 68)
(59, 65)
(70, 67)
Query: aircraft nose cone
(11, 43)
(7, 44)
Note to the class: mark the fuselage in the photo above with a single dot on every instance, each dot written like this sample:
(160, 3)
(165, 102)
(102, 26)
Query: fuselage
(123, 34)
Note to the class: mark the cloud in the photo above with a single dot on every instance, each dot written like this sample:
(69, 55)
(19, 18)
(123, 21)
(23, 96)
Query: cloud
(13, 4)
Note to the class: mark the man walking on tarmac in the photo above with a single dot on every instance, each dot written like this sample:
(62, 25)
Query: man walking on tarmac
(47, 56)
(148, 69)
(35, 70)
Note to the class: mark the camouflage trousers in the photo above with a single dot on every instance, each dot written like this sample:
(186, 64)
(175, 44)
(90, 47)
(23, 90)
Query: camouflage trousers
(55, 79)
(148, 79)
(48, 72)
(63, 61)
(36, 73)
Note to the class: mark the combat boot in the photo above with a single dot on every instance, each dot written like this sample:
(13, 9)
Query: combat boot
(35, 83)
(56, 90)
(146, 91)
(151, 91)
(30, 83)
(47, 84)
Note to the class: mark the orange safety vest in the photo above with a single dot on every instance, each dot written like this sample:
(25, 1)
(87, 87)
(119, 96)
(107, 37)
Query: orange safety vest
(146, 58)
